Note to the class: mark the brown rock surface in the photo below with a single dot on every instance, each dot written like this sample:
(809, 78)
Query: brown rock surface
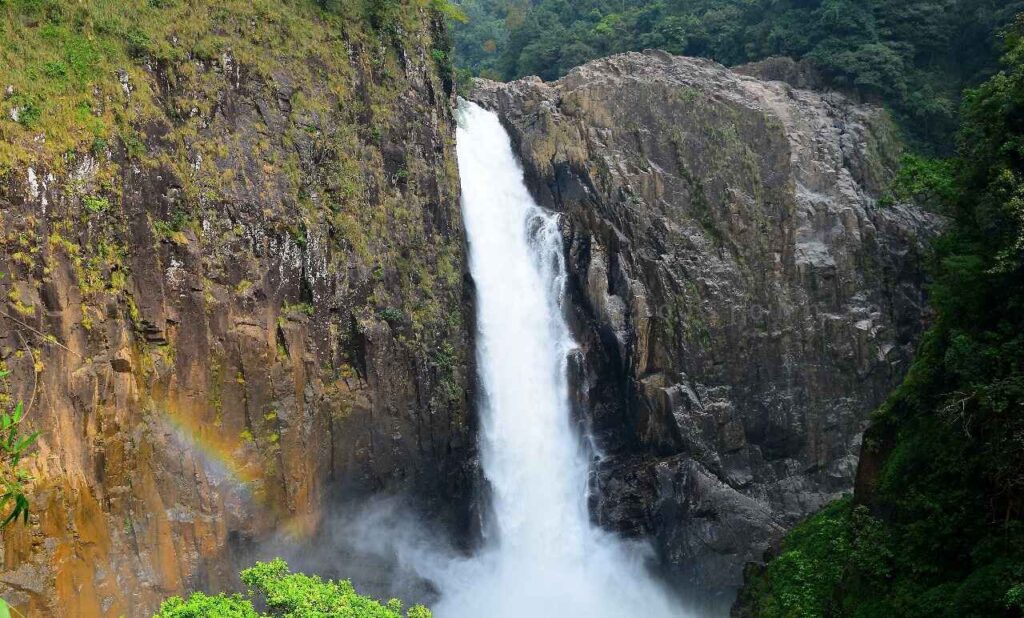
(265, 306)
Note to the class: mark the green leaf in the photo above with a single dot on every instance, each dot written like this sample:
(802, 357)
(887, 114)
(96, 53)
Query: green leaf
(19, 412)
(12, 515)
(25, 442)
(5, 609)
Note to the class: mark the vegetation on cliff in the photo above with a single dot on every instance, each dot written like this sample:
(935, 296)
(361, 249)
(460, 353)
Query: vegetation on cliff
(936, 527)
(91, 86)
(286, 595)
(232, 238)
(75, 75)
(14, 445)
(915, 55)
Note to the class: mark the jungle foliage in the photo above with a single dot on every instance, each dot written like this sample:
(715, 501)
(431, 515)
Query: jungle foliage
(914, 55)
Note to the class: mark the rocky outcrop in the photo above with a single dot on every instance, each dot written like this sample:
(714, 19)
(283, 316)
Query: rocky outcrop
(742, 299)
(247, 302)
(802, 74)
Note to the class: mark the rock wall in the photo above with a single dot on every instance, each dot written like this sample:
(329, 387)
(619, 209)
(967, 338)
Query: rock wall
(249, 302)
(742, 299)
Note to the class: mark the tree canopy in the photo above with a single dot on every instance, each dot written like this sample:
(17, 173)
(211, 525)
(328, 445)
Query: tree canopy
(914, 55)
(287, 595)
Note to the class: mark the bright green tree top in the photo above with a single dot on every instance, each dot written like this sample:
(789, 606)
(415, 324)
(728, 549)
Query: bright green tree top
(287, 595)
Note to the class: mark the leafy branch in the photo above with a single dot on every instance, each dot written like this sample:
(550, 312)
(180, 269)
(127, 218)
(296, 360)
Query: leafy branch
(14, 445)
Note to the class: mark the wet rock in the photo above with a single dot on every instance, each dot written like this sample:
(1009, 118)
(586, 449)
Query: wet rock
(742, 299)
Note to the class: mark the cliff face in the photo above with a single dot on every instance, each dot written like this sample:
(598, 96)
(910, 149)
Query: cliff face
(742, 300)
(235, 286)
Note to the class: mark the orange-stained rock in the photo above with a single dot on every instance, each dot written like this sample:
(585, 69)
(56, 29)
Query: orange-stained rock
(269, 321)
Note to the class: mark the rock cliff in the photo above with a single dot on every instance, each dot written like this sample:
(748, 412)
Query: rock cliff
(741, 297)
(235, 285)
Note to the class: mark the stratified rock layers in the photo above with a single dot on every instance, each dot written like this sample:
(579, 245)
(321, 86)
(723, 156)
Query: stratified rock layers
(251, 302)
(742, 298)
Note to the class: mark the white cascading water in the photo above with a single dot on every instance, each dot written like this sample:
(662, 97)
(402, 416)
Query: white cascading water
(543, 558)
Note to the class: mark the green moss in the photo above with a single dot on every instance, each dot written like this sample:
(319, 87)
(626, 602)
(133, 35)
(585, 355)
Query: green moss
(133, 311)
(24, 309)
(216, 389)
(79, 72)
(95, 205)
(301, 308)
(102, 269)
(243, 287)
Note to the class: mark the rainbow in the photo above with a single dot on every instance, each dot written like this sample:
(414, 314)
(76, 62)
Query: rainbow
(226, 458)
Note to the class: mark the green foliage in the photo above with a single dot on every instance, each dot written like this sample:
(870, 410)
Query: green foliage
(25, 110)
(75, 74)
(814, 558)
(381, 14)
(173, 228)
(200, 605)
(449, 11)
(95, 204)
(915, 55)
(948, 501)
(1015, 597)
(810, 565)
(929, 183)
(286, 595)
(14, 445)
(391, 315)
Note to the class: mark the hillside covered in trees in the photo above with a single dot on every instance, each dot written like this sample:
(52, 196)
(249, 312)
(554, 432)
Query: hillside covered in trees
(914, 55)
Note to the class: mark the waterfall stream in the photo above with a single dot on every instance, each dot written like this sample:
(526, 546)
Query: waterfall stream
(542, 557)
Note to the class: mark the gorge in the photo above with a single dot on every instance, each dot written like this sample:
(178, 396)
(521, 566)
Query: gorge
(600, 341)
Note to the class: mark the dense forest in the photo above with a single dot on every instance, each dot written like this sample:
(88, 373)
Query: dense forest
(936, 527)
(914, 55)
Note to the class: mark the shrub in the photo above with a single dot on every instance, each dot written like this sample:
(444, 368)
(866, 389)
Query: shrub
(13, 447)
(286, 594)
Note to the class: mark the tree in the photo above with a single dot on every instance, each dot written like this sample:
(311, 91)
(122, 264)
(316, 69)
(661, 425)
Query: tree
(286, 595)
(913, 55)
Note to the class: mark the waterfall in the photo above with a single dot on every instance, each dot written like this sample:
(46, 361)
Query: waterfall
(542, 556)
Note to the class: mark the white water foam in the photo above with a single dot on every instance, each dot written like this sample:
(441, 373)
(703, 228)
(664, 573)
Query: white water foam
(542, 556)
